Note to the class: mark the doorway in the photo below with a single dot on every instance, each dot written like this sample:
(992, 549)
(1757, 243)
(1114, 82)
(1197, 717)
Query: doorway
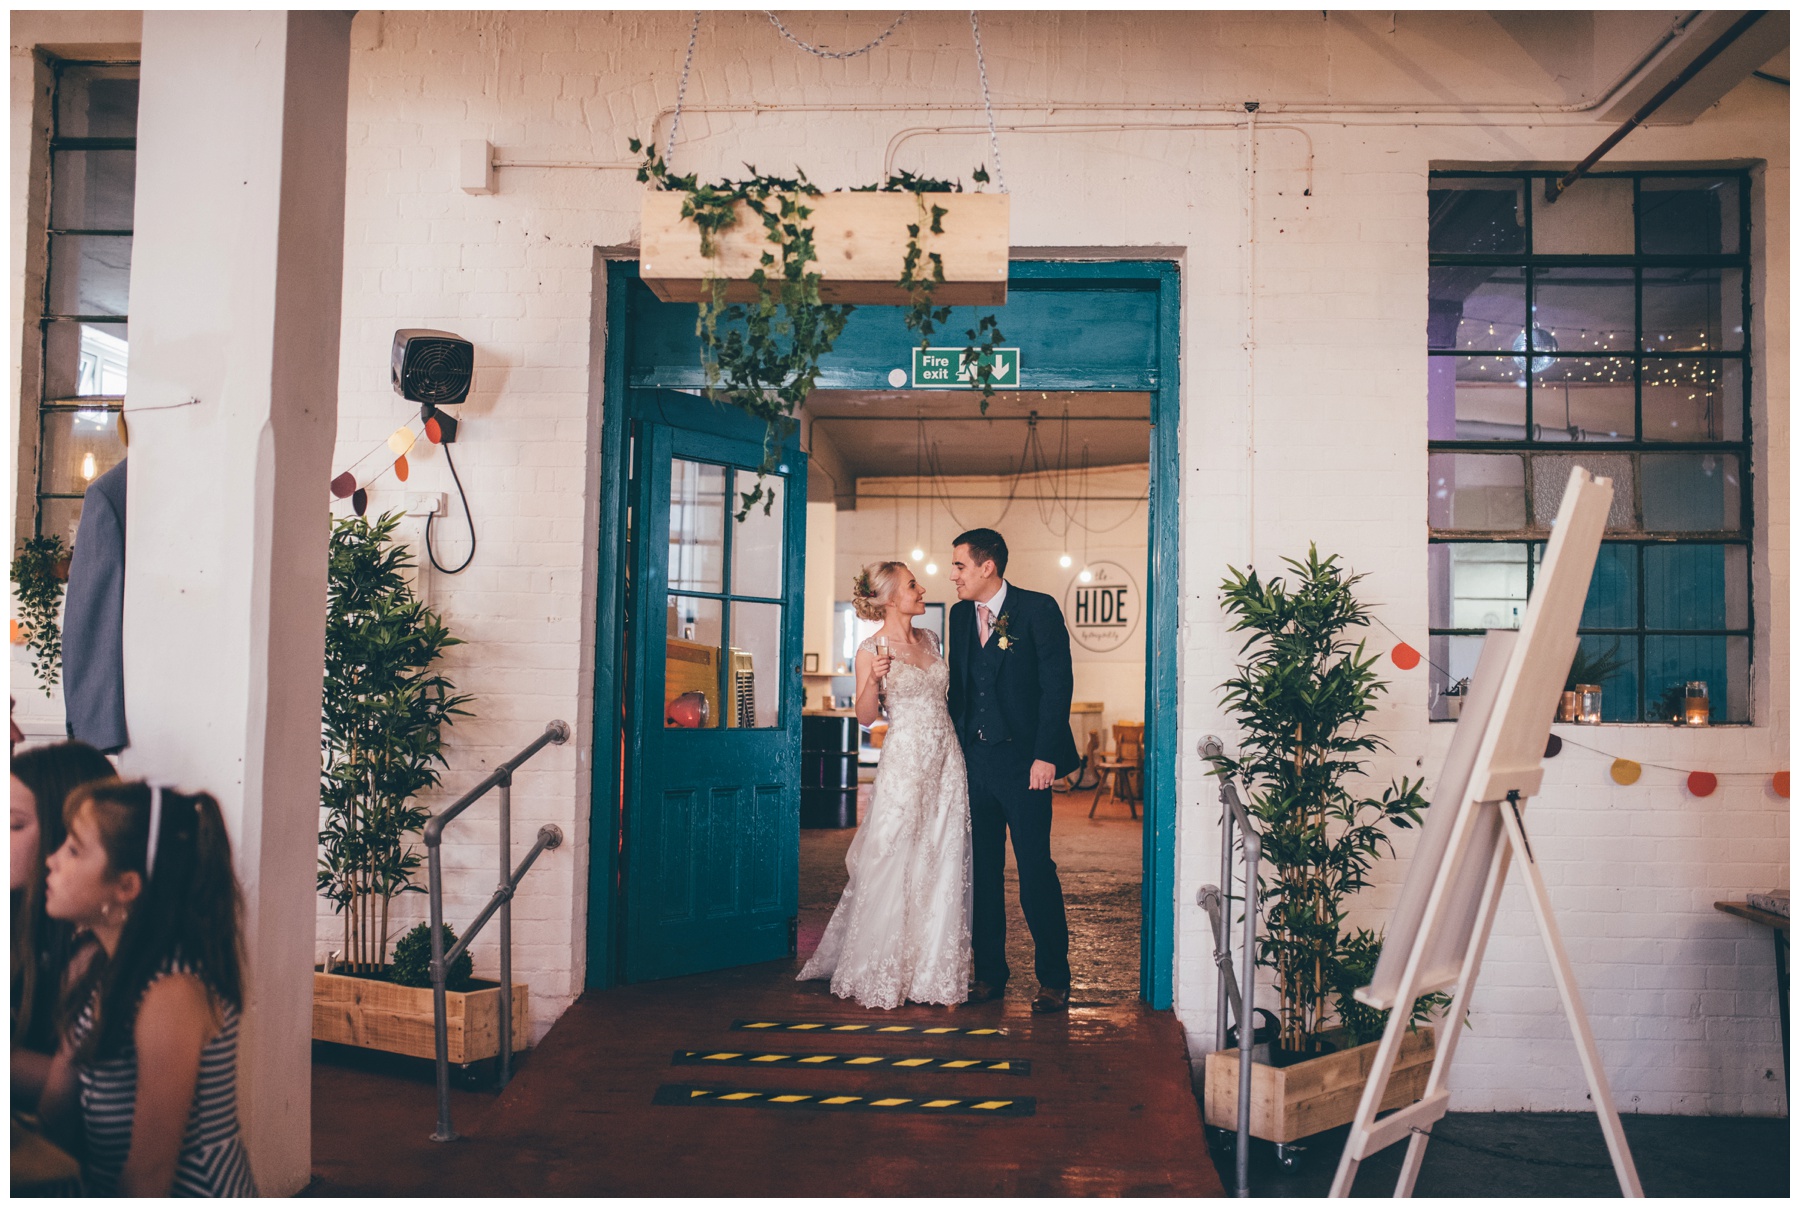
(1092, 328)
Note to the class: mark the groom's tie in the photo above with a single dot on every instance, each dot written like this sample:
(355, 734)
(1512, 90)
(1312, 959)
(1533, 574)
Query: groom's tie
(981, 622)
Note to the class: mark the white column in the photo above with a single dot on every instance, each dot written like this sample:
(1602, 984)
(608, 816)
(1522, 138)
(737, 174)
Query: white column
(235, 294)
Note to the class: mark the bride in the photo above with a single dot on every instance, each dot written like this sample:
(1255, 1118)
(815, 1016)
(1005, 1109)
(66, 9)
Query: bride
(900, 933)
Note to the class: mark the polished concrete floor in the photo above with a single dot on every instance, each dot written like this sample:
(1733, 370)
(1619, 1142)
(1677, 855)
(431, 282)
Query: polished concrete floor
(1543, 1155)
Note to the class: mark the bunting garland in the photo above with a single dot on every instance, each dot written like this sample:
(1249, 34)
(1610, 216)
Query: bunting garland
(1623, 771)
(399, 443)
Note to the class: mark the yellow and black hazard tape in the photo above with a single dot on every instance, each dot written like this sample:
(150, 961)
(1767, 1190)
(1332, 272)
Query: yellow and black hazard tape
(855, 1061)
(678, 1094)
(845, 1028)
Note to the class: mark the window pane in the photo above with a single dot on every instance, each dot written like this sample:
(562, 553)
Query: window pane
(1583, 310)
(60, 518)
(1691, 493)
(1610, 662)
(1477, 216)
(756, 540)
(1689, 215)
(1592, 219)
(1477, 491)
(92, 190)
(1476, 307)
(1723, 664)
(1485, 584)
(84, 359)
(755, 665)
(1488, 400)
(1453, 658)
(1696, 587)
(1583, 399)
(1550, 479)
(90, 274)
(97, 102)
(691, 668)
(1612, 592)
(1694, 400)
(79, 446)
(696, 526)
(1693, 309)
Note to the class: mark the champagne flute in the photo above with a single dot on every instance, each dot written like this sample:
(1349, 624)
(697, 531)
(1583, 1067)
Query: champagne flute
(881, 649)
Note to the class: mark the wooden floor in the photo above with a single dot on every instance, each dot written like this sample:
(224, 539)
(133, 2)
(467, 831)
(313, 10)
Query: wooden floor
(1114, 1112)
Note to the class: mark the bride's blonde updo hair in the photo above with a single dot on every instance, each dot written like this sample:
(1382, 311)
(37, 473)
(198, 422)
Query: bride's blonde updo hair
(873, 587)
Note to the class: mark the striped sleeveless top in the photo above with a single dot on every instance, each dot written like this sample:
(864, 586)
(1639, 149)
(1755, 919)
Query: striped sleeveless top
(212, 1162)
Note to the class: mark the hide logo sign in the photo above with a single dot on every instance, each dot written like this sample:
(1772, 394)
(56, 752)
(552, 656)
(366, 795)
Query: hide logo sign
(1102, 613)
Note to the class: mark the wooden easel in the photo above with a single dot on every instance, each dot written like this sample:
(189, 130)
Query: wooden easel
(1473, 833)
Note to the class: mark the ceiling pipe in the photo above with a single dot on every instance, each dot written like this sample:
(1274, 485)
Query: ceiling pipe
(1555, 189)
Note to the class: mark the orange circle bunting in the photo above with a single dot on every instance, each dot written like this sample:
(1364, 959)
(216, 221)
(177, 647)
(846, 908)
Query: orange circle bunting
(1780, 784)
(344, 485)
(401, 470)
(1702, 784)
(1626, 771)
(1405, 657)
(401, 441)
(433, 432)
(360, 501)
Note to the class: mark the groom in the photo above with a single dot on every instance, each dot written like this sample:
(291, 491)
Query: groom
(1010, 685)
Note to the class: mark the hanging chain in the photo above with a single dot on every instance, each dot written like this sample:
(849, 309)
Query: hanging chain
(820, 51)
(986, 99)
(687, 65)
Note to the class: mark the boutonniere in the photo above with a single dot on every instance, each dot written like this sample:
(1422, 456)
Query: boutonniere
(1001, 638)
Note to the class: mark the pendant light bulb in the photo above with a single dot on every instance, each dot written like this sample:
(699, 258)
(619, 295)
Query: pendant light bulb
(1086, 576)
(917, 553)
(1066, 561)
(931, 568)
(88, 468)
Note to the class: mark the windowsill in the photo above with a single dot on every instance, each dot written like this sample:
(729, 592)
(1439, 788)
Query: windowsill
(1629, 725)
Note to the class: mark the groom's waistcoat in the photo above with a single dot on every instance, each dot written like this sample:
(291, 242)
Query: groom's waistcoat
(987, 724)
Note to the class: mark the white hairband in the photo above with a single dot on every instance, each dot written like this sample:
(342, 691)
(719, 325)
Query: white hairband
(156, 792)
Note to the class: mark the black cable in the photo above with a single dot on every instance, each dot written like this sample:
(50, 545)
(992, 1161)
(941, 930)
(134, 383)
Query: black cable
(467, 515)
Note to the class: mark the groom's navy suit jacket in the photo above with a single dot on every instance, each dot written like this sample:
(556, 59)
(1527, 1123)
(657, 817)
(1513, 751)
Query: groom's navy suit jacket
(1034, 679)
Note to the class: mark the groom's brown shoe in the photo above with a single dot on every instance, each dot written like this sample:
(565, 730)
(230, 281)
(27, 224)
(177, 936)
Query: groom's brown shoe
(984, 991)
(1049, 1000)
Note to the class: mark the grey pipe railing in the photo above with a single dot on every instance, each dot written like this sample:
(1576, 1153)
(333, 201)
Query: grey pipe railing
(548, 836)
(1232, 814)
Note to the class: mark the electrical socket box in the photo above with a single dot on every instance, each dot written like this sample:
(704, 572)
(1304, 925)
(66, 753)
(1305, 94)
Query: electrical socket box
(425, 503)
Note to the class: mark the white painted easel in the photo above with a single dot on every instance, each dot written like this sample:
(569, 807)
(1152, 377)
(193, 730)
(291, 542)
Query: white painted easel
(1473, 832)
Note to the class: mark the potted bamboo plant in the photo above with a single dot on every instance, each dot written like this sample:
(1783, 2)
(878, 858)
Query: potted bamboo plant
(385, 708)
(1302, 698)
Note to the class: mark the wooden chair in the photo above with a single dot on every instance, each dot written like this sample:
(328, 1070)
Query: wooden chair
(1120, 765)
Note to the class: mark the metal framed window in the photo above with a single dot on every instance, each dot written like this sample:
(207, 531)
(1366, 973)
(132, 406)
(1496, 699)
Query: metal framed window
(84, 320)
(1611, 328)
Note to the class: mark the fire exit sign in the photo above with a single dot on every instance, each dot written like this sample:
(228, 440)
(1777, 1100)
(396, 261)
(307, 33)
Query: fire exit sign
(942, 369)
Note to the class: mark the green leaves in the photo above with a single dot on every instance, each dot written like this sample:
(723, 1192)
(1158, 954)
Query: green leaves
(384, 710)
(1301, 698)
(763, 356)
(37, 574)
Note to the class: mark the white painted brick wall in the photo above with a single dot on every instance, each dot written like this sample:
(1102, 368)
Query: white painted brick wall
(1681, 997)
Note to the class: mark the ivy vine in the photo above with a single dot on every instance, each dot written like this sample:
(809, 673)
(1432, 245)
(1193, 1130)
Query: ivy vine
(39, 570)
(767, 360)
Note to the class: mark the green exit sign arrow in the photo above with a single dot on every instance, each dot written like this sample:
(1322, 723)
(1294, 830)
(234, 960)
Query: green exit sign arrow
(942, 369)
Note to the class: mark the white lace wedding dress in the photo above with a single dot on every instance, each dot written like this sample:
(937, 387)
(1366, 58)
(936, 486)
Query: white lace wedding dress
(900, 933)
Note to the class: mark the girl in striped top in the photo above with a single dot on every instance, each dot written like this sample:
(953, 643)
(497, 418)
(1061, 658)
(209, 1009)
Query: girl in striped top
(149, 1064)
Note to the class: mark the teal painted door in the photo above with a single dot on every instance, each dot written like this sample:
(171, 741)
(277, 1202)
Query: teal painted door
(710, 856)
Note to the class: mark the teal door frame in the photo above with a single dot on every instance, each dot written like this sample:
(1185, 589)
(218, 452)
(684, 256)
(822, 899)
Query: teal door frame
(1098, 325)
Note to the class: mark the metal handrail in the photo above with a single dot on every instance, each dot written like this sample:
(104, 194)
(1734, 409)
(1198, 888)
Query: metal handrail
(548, 836)
(1233, 812)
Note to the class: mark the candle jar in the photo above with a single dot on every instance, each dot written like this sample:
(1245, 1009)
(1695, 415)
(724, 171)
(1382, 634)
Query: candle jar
(1569, 708)
(1589, 695)
(1697, 707)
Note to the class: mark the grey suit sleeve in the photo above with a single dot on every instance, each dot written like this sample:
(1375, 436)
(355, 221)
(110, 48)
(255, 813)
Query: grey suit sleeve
(1056, 683)
(93, 621)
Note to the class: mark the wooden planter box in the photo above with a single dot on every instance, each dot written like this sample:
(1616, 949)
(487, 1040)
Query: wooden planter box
(1297, 1101)
(861, 243)
(398, 1019)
